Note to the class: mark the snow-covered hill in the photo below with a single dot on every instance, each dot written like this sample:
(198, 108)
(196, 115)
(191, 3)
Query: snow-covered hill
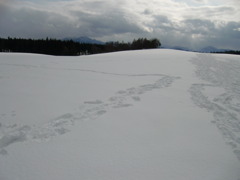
(134, 115)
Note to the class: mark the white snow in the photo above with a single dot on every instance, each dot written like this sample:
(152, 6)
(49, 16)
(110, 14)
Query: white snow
(134, 115)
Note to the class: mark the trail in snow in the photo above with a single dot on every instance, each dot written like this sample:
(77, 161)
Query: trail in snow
(223, 77)
(78, 69)
(88, 110)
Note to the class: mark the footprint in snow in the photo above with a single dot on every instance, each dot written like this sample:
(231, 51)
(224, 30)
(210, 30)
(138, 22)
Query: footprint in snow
(89, 110)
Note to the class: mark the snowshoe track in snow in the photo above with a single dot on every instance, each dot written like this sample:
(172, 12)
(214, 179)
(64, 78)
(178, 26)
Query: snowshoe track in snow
(225, 107)
(88, 110)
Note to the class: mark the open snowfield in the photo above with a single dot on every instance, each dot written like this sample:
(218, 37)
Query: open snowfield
(137, 115)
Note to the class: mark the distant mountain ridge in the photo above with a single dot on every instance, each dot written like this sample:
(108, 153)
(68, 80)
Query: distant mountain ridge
(84, 39)
(178, 48)
(207, 49)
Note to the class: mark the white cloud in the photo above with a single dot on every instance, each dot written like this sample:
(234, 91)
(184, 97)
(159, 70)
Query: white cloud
(236, 29)
(194, 22)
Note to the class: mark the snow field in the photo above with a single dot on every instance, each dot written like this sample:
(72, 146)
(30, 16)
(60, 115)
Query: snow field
(156, 114)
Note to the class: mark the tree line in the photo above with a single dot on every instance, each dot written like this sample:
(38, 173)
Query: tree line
(71, 48)
(228, 52)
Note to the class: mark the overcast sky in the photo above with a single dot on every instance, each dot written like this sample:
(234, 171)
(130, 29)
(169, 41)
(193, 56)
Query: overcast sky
(189, 23)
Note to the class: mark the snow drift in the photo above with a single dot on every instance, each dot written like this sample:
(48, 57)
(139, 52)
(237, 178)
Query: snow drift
(151, 114)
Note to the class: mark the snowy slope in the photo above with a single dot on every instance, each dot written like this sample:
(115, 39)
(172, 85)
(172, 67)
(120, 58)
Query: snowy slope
(136, 115)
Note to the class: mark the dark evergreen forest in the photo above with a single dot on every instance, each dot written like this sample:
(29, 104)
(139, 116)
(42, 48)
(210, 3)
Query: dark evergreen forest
(71, 48)
(229, 52)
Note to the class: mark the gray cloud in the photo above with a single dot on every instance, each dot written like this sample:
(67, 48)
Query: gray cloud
(197, 33)
(4, 6)
(147, 12)
(107, 23)
(211, 34)
(34, 23)
(195, 23)
(88, 21)
(198, 27)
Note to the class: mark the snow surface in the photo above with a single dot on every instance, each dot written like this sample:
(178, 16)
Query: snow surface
(134, 115)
